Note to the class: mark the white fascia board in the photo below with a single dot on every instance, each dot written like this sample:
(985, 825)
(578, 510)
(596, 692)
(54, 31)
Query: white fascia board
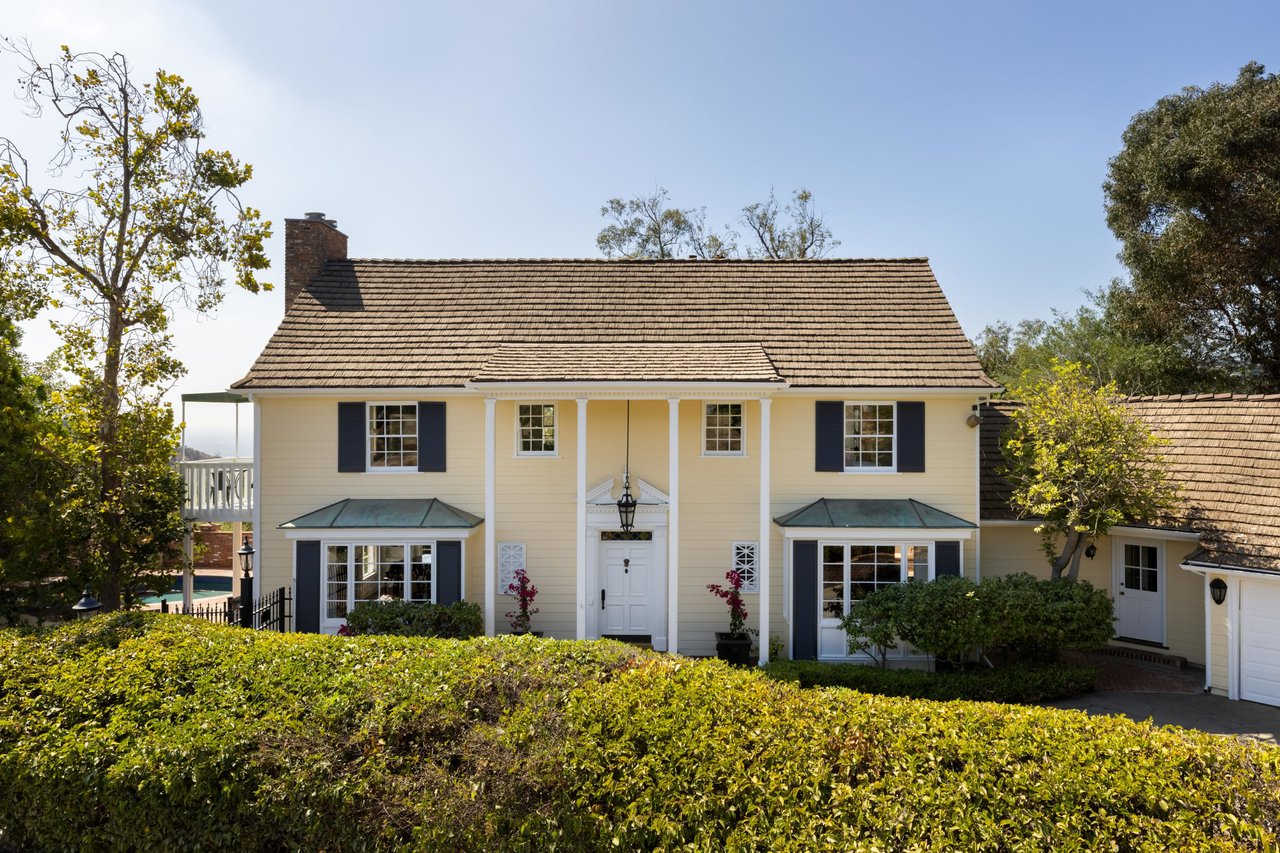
(1233, 571)
(359, 392)
(380, 534)
(1119, 530)
(868, 392)
(878, 534)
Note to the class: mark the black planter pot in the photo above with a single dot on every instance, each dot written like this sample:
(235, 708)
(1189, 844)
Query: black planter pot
(523, 633)
(734, 648)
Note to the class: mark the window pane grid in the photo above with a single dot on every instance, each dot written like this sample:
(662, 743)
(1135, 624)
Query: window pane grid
(722, 430)
(356, 573)
(537, 427)
(851, 572)
(868, 435)
(393, 435)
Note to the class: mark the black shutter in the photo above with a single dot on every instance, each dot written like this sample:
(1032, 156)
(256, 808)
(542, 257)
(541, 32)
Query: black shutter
(946, 559)
(431, 436)
(828, 436)
(306, 590)
(911, 437)
(448, 572)
(351, 436)
(804, 600)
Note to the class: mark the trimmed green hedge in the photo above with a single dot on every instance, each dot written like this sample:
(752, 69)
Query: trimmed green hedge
(148, 732)
(456, 621)
(1021, 683)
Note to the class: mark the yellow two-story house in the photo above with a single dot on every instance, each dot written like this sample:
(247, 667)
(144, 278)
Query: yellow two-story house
(425, 428)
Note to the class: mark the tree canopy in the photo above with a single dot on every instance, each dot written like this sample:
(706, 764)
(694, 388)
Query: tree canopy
(1110, 348)
(134, 219)
(646, 226)
(1081, 463)
(1192, 197)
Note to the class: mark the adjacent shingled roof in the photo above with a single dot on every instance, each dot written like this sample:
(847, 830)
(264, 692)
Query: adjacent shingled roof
(634, 362)
(869, 512)
(1225, 453)
(846, 323)
(389, 512)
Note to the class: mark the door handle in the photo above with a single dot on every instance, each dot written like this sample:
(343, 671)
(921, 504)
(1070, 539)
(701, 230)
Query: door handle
(602, 599)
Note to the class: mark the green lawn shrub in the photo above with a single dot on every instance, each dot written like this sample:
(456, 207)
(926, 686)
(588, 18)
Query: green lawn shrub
(456, 621)
(162, 732)
(1019, 683)
(1012, 618)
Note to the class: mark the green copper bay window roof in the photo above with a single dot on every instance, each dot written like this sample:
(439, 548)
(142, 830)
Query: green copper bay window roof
(385, 512)
(871, 513)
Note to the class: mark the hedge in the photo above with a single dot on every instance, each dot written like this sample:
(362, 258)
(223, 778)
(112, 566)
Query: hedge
(457, 621)
(1021, 683)
(148, 732)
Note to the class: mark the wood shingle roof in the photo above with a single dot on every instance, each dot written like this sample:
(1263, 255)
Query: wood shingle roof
(1224, 452)
(815, 323)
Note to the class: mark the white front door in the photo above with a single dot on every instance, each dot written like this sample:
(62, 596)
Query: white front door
(627, 588)
(1140, 592)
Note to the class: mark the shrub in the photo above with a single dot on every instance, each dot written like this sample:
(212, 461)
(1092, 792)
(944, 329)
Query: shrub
(1019, 684)
(458, 621)
(146, 733)
(1015, 618)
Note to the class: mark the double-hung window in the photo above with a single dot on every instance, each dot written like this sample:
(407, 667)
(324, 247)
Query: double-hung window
(722, 433)
(381, 572)
(869, 436)
(536, 429)
(393, 436)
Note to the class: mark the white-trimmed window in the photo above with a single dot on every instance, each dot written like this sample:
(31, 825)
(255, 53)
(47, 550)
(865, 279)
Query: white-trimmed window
(393, 436)
(360, 572)
(869, 436)
(851, 571)
(510, 559)
(746, 556)
(722, 430)
(536, 429)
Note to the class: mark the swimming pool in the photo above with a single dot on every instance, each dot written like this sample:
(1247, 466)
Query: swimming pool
(206, 586)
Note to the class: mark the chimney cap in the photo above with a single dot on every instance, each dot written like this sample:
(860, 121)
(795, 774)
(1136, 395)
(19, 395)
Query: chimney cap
(318, 216)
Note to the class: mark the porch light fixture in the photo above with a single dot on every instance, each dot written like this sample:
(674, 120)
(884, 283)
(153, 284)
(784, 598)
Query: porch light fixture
(1091, 551)
(246, 557)
(627, 503)
(87, 605)
(1218, 590)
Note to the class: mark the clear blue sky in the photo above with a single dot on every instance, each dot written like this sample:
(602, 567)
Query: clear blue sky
(974, 133)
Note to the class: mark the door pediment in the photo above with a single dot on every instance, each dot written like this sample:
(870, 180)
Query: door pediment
(648, 495)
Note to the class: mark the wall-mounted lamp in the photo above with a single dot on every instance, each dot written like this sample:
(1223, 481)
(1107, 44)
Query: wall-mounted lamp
(1091, 551)
(1218, 590)
(974, 418)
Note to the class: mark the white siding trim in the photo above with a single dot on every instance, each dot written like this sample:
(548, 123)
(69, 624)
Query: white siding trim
(673, 525)
(490, 505)
(763, 579)
(581, 512)
(259, 540)
(1233, 639)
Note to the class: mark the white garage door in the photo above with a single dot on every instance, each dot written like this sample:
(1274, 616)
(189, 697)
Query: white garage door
(1260, 642)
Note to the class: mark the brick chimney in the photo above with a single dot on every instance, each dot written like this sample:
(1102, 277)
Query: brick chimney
(309, 244)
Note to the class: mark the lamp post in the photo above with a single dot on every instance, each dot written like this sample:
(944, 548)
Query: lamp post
(87, 605)
(246, 583)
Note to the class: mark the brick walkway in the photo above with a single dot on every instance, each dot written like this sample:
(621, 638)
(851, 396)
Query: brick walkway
(1117, 674)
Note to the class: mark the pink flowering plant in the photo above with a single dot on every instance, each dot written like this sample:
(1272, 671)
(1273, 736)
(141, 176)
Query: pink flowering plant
(525, 593)
(733, 597)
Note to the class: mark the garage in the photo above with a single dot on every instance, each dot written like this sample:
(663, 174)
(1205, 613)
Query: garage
(1260, 641)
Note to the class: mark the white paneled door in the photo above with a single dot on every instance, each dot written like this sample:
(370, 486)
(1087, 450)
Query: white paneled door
(1140, 592)
(626, 596)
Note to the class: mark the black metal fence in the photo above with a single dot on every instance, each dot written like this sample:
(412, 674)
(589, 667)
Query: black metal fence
(270, 612)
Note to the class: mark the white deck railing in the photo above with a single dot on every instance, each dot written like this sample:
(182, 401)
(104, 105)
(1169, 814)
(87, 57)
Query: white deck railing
(218, 489)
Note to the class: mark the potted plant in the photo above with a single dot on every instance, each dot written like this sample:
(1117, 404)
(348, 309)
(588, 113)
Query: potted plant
(734, 646)
(525, 593)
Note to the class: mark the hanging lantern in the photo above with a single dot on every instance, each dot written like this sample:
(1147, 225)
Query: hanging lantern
(627, 503)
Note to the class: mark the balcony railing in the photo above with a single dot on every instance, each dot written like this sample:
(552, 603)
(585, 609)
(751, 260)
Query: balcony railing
(218, 489)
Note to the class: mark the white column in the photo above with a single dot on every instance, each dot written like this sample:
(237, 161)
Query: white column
(762, 550)
(673, 527)
(582, 519)
(188, 569)
(490, 505)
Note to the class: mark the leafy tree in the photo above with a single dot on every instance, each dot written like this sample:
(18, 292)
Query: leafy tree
(155, 226)
(1082, 463)
(1193, 199)
(646, 226)
(1109, 346)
